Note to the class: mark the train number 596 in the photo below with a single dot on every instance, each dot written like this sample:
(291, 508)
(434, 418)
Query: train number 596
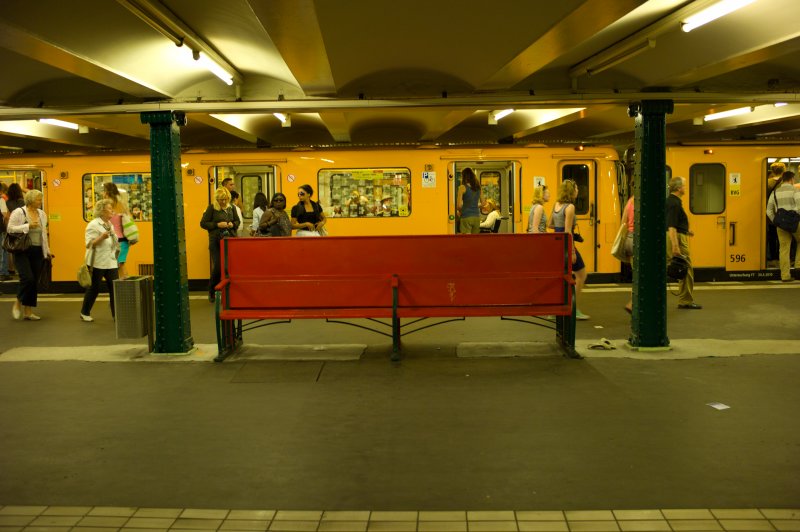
(738, 258)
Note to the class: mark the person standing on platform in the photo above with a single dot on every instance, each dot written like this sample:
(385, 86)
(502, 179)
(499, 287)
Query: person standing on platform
(468, 203)
(30, 219)
(537, 219)
(776, 171)
(101, 243)
(678, 240)
(14, 200)
(787, 197)
(628, 219)
(4, 276)
(563, 221)
(260, 205)
(307, 216)
(120, 207)
(236, 202)
(220, 220)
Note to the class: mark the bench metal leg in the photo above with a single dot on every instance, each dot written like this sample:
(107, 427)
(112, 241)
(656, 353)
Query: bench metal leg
(395, 321)
(565, 331)
(229, 332)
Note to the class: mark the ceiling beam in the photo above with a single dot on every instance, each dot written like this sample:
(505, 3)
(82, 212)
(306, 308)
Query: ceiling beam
(35, 47)
(294, 28)
(580, 25)
(59, 135)
(233, 126)
(789, 44)
(447, 122)
(337, 125)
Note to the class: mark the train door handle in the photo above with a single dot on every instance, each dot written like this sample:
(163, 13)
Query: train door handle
(591, 214)
(732, 239)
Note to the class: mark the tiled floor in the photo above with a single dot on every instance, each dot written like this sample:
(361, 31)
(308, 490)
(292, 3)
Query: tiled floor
(113, 519)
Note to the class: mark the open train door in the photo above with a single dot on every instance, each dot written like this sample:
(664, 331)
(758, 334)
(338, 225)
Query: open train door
(584, 173)
(497, 182)
(248, 180)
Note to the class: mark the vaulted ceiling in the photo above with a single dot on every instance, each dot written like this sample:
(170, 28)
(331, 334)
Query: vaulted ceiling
(378, 72)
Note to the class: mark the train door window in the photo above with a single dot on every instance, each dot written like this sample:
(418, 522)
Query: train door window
(707, 188)
(580, 174)
(27, 179)
(248, 180)
(490, 186)
(136, 189)
(365, 192)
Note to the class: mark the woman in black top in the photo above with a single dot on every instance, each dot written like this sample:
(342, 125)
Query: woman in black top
(307, 215)
(220, 220)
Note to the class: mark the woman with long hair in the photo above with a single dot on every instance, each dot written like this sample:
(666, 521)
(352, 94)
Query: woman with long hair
(307, 216)
(468, 201)
(260, 205)
(119, 206)
(30, 219)
(220, 220)
(562, 220)
(537, 219)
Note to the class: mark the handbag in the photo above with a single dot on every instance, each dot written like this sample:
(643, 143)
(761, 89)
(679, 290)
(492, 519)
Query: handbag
(678, 267)
(17, 242)
(129, 230)
(618, 248)
(85, 272)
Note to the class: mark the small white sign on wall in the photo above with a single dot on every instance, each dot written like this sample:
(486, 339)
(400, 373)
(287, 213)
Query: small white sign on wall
(538, 181)
(428, 179)
(735, 184)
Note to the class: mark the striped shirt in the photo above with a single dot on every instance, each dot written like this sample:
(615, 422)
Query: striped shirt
(786, 196)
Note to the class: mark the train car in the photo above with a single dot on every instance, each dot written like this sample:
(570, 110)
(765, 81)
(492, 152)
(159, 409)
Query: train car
(412, 191)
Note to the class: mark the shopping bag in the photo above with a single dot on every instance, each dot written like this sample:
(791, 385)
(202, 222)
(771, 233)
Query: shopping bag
(129, 230)
(618, 248)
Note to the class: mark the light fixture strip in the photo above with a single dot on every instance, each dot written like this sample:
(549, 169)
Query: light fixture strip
(728, 114)
(280, 116)
(502, 114)
(720, 9)
(59, 123)
(215, 68)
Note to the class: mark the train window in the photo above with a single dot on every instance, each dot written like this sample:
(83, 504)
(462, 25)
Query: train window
(707, 188)
(251, 184)
(365, 192)
(137, 186)
(27, 179)
(580, 174)
(490, 186)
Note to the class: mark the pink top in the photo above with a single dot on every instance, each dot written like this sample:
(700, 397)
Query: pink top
(116, 223)
(629, 210)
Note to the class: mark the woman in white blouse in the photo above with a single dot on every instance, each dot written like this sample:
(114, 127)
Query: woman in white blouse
(32, 220)
(101, 241)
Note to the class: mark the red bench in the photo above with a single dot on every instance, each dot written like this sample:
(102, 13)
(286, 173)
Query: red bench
(394, 277)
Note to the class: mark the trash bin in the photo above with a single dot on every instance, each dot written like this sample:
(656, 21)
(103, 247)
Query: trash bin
(133, 307)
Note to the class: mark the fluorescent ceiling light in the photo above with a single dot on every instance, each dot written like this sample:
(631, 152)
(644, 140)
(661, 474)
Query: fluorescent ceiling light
(727, 114)
(217, 70)
(720, 9)
(59, 123)
(780, 104)
(286, 120)
(494, 116)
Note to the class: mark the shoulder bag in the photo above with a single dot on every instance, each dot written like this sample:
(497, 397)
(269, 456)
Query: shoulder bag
(129, 229)
(787, 220)
(618, 248)
(85, 271)
(17, 242)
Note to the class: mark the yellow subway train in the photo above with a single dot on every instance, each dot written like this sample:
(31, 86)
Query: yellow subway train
(412, 191)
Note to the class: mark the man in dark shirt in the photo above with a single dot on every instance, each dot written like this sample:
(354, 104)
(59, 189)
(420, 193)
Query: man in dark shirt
(678, 240)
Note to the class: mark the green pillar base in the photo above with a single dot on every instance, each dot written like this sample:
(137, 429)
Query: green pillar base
(647, 349)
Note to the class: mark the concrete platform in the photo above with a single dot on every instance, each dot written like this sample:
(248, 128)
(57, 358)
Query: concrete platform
(433, 432)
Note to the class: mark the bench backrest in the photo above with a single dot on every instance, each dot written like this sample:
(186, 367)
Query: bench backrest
(432, 270)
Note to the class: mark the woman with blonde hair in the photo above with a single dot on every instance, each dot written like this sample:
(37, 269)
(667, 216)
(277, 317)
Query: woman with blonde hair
(119, 206)
(537, 219)
(101, 254)
(220, 220)
(492, 216)
(563, 221)
(29, 219)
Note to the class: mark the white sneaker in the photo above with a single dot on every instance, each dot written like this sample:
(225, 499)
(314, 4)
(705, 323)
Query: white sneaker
(16, 312)
(580, 315)
(32, 317)
(84, 317)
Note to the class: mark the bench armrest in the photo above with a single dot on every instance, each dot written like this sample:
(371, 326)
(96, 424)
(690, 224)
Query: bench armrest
(222, 284)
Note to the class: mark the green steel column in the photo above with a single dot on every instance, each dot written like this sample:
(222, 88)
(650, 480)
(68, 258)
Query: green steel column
(173, 328)
(649, 320)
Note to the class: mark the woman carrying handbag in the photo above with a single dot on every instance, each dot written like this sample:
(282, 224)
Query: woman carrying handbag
(102, 246)
(29, 222)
